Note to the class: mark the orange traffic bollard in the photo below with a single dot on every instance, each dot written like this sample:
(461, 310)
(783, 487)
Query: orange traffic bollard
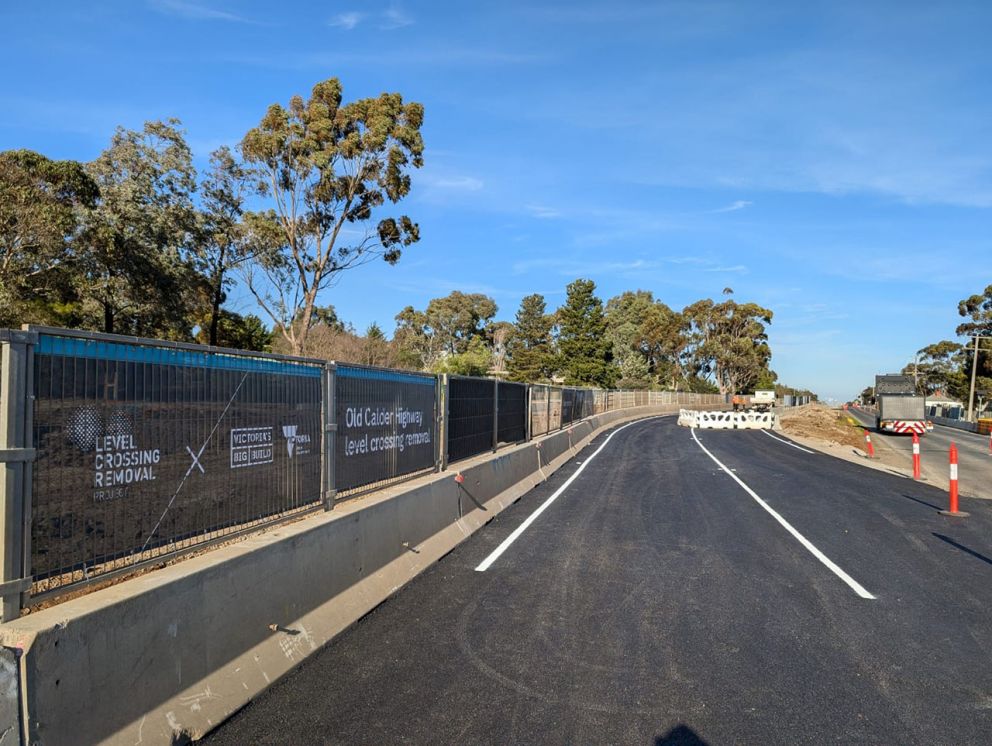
(868, 446)
(952, 508)
(916, 456)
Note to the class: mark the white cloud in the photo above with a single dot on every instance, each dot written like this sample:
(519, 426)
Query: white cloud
(734, 206)
(346, 21)
(735, 268)
(394, 17)
(196, 12)
(577, 268)
(542, 211)
(459, 183)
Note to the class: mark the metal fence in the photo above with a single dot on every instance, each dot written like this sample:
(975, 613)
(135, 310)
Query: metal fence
(144, 450)
(116, 451)
(386, 426)
(471, 416)
(511, 413)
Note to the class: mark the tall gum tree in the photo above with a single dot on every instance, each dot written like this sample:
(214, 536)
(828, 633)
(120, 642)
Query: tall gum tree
(136, 274)
(44, 205)
(728, 341)
(327, 167)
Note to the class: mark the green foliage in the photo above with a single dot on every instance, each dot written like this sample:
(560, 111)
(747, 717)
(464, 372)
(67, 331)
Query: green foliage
(474, 361)
(937, 367)
(376, 346)
(238, 332)
(44, 207)
(222, 240)
(531, 357)
(625, 316)
(584, 349)
(448, 327)
(136, 275)
(327, 166)
(979, 309)
(728, 341)
(766, 379)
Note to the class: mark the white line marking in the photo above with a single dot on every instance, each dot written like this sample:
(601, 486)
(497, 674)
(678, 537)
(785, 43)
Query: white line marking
(488, 561)
(782, 440)
(854, 584)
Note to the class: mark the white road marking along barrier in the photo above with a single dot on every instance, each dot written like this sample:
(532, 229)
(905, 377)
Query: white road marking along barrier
(495, 555)
(854, 584)
(788, 443)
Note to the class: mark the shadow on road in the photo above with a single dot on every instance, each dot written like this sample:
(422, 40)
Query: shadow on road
(680, 735)
(922, 502)
(964, 549)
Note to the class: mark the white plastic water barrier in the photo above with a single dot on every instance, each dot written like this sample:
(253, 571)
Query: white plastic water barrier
(728, 420)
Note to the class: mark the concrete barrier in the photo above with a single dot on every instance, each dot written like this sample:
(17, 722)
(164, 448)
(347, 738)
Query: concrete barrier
(165, 657)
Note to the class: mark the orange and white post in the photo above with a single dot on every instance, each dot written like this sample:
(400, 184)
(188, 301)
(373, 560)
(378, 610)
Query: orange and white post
(916, 456)
(952, 508)
(868, 446)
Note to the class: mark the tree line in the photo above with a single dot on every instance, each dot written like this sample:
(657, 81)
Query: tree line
(138, 242)
(946, 366)
(634, 340)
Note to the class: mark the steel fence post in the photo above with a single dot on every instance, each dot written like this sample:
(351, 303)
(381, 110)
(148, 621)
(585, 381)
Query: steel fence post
(438, 422)
(495, 414)
(328, 415)
(16, 457)
(530, 398)
(446, 408)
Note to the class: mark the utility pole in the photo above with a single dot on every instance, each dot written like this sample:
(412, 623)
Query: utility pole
(974, 371)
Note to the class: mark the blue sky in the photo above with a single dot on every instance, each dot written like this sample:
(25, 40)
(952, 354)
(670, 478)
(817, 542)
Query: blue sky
(829, 160)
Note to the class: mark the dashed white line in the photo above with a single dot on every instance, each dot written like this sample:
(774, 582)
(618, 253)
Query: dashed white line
(783, 440)
(485, 564)
(854, 584)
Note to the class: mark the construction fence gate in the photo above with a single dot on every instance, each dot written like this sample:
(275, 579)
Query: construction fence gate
(117, 452)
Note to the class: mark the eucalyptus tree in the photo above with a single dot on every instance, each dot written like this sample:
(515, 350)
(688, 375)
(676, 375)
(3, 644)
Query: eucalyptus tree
(136, 274)
(327, 168)
(728, 342)
(223, 239)
(447, 327)
(44, 206)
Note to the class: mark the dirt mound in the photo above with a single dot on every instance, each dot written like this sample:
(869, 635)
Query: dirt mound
(821, 422)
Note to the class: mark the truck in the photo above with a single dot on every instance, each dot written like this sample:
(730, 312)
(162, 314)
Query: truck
(901, 409)
(761, 401)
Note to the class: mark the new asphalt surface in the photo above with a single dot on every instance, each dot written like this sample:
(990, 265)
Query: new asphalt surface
(657, 602)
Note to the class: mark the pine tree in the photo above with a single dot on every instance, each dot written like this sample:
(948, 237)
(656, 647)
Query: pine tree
(531, 359)
(583, 344)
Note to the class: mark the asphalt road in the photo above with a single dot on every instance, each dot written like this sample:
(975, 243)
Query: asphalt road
(974, 460)
(657, 601)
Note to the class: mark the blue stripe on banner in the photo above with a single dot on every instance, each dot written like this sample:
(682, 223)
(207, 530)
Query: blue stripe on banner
(95, 349)
(373, 374)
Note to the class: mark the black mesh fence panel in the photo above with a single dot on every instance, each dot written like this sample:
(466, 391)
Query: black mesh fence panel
(512, 415)
(471, 405)
(386, 426)
(145, 450)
